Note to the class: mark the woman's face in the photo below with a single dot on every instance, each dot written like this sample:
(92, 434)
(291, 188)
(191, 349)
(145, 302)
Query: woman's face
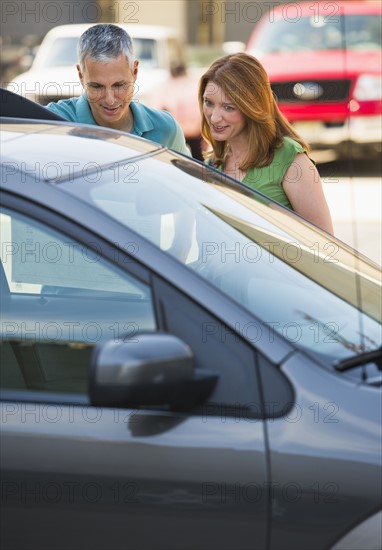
(224, 118)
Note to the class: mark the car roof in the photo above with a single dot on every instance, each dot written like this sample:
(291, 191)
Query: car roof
(134, 30)
(24, 139)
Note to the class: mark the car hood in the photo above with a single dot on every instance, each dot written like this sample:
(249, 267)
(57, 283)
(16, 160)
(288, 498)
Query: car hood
(64, 81)
(322, 64)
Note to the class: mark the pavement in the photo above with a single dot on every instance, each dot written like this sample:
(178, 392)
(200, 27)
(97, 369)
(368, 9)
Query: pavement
(356, 209)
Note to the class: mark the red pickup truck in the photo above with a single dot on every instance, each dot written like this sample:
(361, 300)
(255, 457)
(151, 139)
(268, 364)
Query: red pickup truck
(324, 65)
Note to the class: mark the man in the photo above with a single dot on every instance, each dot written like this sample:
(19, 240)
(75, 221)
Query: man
(108, 71)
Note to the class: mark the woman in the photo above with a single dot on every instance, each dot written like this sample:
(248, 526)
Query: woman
(253, 142)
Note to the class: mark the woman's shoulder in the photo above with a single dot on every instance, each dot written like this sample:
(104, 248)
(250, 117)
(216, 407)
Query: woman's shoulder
(291, 144)
(287, 151)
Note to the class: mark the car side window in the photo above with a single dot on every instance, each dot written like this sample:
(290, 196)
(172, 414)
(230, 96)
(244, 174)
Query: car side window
(59, 298)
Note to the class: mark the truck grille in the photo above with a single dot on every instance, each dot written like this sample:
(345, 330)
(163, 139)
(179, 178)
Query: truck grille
(317, 91)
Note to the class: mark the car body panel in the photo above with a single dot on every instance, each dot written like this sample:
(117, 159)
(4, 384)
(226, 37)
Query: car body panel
(329, 412)
(318, 64)
(155, 474)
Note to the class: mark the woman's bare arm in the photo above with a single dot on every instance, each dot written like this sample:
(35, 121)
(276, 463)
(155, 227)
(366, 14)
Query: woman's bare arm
(303, 187)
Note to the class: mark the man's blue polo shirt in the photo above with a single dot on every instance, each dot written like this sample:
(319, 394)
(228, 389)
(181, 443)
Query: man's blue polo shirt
(158, 126)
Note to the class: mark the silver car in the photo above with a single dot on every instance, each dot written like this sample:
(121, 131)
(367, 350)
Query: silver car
(185, 364)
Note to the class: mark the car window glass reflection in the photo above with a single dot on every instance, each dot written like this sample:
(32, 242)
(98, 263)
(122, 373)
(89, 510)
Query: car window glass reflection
(256, 254)
(60, 298)
(322, 33)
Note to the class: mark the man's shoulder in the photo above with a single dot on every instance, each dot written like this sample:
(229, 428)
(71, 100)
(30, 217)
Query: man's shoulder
(65, 108)
(159, 126)
(156, 115)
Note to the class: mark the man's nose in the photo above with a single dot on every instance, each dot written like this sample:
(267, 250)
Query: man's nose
(109, 96)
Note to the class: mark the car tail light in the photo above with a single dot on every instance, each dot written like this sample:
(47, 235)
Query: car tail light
(368, 88)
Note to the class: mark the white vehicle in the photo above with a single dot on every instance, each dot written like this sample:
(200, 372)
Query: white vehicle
(53, 75)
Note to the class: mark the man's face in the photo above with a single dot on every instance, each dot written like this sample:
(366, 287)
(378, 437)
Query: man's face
(109, 88)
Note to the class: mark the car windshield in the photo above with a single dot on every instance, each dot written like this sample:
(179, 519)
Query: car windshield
(63, 52)
(295, 278)
(354, 32)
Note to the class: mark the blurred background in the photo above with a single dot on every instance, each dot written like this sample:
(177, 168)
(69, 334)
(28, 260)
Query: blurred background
(323, 60)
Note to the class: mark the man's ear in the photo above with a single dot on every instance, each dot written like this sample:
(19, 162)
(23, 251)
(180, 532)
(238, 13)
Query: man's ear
(80, 75)
(135, 68)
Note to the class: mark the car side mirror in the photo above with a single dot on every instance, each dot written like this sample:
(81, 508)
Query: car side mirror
(147, 369)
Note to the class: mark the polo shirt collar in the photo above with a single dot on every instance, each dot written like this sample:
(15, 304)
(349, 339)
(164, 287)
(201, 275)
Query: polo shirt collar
(142, 120)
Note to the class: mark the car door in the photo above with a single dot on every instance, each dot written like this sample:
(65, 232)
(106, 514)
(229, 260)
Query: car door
(79, 476)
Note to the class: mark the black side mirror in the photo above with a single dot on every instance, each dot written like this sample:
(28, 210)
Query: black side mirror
(148, 369)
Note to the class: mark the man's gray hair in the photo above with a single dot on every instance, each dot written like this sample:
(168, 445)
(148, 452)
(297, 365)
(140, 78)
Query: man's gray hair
(104, 42)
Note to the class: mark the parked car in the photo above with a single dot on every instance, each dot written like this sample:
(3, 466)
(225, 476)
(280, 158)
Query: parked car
(179, 96)
(324, 63)
(163, 79)
(53, 73)
(184, 363)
